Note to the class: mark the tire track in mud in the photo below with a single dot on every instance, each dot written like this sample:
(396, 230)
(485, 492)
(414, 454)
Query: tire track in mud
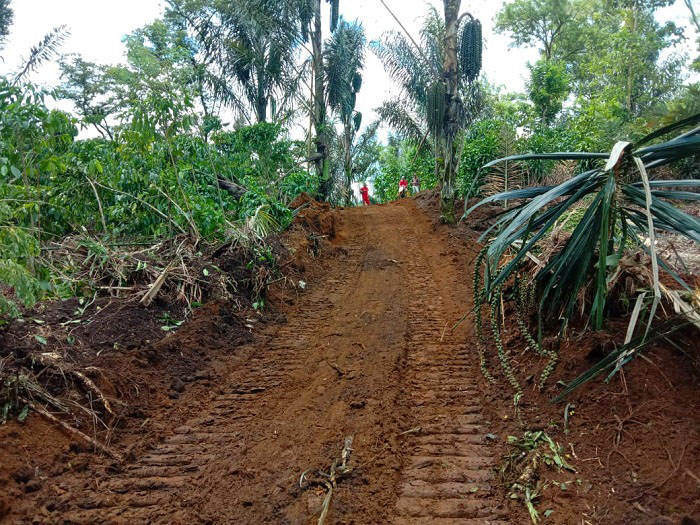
(382, 315)
(166, 484)
(446, 478)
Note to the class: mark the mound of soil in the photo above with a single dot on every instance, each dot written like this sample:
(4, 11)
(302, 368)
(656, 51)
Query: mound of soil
(316, 217)
(213, 431)
(151, 364)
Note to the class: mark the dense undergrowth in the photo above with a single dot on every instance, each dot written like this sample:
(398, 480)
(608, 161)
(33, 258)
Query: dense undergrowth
(157, 179)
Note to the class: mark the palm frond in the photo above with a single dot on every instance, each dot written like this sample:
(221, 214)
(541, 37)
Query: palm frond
(44, 51)
(405, 123)
(615, 216)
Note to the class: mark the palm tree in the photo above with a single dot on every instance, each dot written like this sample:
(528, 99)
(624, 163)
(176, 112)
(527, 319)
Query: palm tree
(413, 68)
(361, 156)
(344, 59)
(438, 97)
(245, 50)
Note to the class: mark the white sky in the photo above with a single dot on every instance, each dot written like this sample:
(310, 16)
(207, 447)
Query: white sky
(97, 28)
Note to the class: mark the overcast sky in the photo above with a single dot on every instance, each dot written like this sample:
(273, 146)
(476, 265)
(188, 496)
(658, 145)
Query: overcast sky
(97, 28)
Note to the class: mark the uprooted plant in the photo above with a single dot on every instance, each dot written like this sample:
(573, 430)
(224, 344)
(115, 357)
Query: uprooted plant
(612, 239)
(521, 469)
(328, 480)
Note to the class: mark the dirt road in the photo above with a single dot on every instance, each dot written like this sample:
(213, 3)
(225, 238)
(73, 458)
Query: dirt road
(367, 352)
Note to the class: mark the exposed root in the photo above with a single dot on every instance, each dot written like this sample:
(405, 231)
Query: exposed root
(328, 480)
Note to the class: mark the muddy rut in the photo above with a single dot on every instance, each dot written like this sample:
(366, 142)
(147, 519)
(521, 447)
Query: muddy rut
(368, 351)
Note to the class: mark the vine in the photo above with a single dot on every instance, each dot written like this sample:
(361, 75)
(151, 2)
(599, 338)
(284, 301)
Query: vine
(479, 297)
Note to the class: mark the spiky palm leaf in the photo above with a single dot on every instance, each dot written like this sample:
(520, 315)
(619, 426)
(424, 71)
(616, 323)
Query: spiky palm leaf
(418, 73)
(43, 52)
(625, 208)
(247, 49)
(344, 57)
(405, 120)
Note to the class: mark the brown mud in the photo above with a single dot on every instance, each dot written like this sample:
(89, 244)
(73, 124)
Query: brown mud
(220, 419)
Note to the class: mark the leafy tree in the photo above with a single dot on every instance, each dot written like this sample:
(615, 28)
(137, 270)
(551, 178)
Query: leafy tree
(611, 49)
(548, 88)
(6, 17)
(88, 86)
(538, 23)
(622, 59)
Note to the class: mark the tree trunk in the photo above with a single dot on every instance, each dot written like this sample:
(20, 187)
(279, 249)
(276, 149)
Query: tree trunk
(347, 159)
(319, 103)
(261, 100)
(452, 112)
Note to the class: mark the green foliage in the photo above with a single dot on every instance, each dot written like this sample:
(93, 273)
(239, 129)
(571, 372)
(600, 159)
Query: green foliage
(6, 16)
(153, 180)
(538, 23)
(548, 88)
(485, 140)
(243, 52)
(402, 159)
(614, 219)
(611, 51)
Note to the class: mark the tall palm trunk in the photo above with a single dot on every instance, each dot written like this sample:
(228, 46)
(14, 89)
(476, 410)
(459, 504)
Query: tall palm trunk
(347, 159)
(319, 107)
(452, 112)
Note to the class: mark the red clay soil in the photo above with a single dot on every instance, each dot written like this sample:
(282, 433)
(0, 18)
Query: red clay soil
(215, 431)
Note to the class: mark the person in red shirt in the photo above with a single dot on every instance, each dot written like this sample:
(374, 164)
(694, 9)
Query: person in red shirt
(364, 191)
(403, 187)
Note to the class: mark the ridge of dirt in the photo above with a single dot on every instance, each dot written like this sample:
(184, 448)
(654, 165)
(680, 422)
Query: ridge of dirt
(154, 379)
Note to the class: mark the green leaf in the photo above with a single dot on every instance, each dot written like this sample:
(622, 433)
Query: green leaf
(549, 156)
(41, 339)
(23, 414)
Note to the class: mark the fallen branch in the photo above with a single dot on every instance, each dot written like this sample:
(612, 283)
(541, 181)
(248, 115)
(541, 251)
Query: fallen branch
(74, 431)
(335, 367)
(49, 360)
(155, 287)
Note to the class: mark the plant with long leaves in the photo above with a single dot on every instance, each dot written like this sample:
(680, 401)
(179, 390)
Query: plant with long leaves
(243, 52)
(41, 53)
(623, 208)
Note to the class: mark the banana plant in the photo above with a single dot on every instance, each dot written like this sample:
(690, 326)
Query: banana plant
(622, 208)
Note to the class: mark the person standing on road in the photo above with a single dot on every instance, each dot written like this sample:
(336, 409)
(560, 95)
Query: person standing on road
(415, 182)
(364, 191)
(403, 187)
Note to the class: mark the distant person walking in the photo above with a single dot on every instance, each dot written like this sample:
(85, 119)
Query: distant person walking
(415, 182)
(364, 191)
(403, 187)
